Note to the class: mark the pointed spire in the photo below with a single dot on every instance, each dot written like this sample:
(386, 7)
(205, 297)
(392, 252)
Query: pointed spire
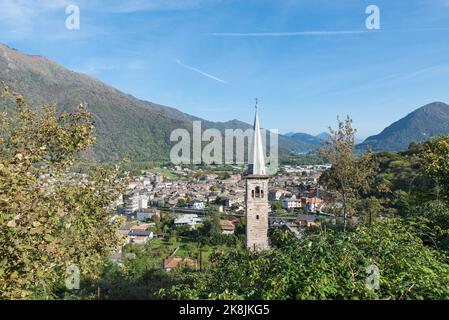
(257, 159)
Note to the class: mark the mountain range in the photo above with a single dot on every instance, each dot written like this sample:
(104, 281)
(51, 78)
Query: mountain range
(311, 142)
(125, 125)
(140, 130)
(308, 141)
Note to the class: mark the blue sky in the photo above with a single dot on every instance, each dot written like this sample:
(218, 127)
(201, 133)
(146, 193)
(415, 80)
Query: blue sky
(307, 61)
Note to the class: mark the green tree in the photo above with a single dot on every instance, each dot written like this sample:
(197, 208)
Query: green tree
(433, 220)
(225, 175)
(276, 205)
(220, 201)
(369, 209)
(157, 221)
(436, 163)
(181, 203)
(348, 176)
(211, 227)
(49, 218)
(403, 203)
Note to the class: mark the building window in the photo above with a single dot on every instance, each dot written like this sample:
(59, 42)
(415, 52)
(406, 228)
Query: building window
(257, 217)
(261, 193)
(252, 193)
(257, 192)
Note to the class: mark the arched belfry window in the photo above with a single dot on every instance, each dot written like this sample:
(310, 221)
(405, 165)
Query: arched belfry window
(261, 193)
(252, 193)
(257, 192)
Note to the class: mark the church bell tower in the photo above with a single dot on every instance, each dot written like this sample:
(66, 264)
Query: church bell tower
(256, 198)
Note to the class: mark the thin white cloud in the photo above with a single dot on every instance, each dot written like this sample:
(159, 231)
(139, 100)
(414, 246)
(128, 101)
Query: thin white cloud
(132, 6)
(319, 33)
(19, 18)
(200, 71)
(137, 6)
(21, 8)
(420, 30)
(286, 34)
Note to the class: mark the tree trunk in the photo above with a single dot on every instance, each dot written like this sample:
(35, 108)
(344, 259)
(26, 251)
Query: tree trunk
(344, 212)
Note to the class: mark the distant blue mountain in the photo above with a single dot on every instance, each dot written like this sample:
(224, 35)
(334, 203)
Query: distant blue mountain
(308, 141)
(322, 136)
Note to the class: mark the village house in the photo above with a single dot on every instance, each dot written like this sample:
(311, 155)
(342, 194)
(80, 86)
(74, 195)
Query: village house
(132, 184)
(307, 221)
(234, 201)
(136, 232)
(313, 220)
(278, 194)
(211, 198)
(312, 204)
(227, 227)
(235, 177)
(211, 177)
(171, 202)
(310, 193)
(135, 200)
(196, 204)
(124, 230)
(156, 178)
(139, 236)
(173, 262)
(146, 182)
(291, 203)
(147, 214)
(191, 220)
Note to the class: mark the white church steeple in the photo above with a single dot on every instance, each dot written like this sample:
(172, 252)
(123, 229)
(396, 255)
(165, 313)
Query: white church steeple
(257, 159)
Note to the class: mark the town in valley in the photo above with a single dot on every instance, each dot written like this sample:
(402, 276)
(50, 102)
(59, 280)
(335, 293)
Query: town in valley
(185, 196)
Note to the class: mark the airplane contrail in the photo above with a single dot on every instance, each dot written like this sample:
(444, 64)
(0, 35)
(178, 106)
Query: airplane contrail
(284, 34)
(320, 33)
(200, 71)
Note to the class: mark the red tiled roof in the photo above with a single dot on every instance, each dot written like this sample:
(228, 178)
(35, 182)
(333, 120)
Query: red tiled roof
(313, 200)
(171, 263)
(227, 225)
(139, 227)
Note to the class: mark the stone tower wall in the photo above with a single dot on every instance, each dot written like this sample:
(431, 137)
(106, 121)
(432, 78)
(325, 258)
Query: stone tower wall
(257, 209)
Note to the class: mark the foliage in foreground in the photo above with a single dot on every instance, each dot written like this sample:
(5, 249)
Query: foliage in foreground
(329, 265)
(50, 219)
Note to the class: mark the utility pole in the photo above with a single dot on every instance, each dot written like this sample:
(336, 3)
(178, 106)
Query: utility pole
(98, 293)
(201, 260)
(147, 291)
